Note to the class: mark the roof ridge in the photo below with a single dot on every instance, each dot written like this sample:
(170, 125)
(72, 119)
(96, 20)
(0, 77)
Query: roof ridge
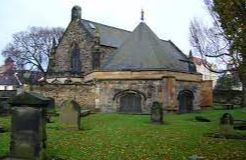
(106, 25)
(116, 28)
(142, 50)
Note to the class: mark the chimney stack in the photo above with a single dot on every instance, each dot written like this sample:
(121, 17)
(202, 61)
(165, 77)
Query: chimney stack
(76, 13)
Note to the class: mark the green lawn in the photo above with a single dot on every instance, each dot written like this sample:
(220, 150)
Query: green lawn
(120, 136)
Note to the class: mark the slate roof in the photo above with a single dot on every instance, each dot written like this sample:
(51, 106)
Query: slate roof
(9, 79)
(141, 53)
(109, 36)
(17, 77)
(34, 77)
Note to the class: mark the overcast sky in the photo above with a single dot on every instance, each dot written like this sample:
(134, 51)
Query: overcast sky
(169, 19)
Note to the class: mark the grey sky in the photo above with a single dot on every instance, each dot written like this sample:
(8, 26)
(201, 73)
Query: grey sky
(169, 19)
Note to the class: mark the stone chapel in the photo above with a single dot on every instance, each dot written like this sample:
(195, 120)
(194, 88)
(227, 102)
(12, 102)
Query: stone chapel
(128, 70)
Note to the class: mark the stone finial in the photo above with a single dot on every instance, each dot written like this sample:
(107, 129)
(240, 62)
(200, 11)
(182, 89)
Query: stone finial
(76, 13)
(54, 43)
(190, 54)
(142, 15)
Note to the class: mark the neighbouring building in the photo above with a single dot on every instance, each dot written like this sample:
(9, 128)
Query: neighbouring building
(206, 73)
(9, 82)
(126, 71)
(12, 80)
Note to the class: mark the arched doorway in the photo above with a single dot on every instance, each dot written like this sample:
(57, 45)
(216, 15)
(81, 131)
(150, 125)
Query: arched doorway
(185, 99)
(130, 102)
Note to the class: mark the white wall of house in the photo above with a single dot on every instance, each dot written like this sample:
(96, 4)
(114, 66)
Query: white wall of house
(7, 88)
(2, 87)
(206, 74)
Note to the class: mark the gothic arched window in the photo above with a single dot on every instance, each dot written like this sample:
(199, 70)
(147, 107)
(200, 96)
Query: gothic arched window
(75, 59)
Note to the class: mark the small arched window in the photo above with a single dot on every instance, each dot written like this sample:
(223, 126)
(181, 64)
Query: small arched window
(75, 59)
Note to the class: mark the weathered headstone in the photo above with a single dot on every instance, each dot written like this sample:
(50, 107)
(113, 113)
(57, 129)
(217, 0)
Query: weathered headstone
(202, 119)
(1, 128)
(84, 112)
(70, 114)
(226, 119)
(50, 109)
(226, 129)
(28, 132)
(239, 124)
(157, 113)
(226, 124)
(51, 104)
(4, 107)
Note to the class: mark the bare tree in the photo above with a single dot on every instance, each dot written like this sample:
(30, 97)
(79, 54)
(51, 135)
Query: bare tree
(214, 44)
(31, 49)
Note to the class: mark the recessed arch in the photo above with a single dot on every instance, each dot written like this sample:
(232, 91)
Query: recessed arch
(129, 91)
(129, 101)
(185, 99)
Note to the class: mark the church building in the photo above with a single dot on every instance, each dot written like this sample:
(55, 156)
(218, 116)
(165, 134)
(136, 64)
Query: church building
(128, 70)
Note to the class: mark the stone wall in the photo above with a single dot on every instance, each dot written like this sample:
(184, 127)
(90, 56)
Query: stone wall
(106, 53)
(164, 90)
(207, 93)
(73, 34)
(61, 59)
(143, 74)
(105, 94)
(194, 87)
(110, 91)
(83, 94)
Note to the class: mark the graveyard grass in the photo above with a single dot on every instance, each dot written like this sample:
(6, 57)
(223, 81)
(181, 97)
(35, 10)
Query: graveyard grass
(121, 136)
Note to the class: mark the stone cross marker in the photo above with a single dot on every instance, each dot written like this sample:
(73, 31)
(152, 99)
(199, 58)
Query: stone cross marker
(156, 113)
(28, 132)
(70, 114)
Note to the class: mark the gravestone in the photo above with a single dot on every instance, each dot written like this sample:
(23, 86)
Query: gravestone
(1, 128)
(4, 107)
(84, 112)
(226, 129)
(51, 104)
(239, 124)
(28, 132)
(156, 113)
(202, 119)
(226, 119)
(70, 114)
(50, 109)
(226, 124)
